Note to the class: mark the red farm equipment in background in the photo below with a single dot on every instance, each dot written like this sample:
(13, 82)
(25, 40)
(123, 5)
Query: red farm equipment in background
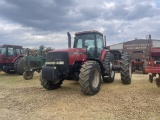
(140, 56)
(154, 65)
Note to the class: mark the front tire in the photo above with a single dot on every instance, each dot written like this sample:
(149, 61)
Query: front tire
(126, 69)
(150, 78)
(90, 78)
(49, 85)
(27, 75)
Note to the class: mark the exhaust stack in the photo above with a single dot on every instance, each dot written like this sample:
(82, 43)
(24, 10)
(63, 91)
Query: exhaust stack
(105, 41)
(69, 39)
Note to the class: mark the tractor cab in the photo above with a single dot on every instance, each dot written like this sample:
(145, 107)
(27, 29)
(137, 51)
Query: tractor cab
(8, 53)
(92, 41)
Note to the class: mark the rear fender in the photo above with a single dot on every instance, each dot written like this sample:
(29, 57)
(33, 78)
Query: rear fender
(17, 58)
(103, 53)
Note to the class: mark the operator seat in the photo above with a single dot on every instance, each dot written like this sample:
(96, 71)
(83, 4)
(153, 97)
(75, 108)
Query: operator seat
(91, 52)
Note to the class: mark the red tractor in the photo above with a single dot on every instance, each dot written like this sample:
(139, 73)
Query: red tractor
(88, 62)
(139, 61)
(154, 65)
(10, 57)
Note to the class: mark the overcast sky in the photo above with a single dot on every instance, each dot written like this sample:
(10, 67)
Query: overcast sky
(32, 23)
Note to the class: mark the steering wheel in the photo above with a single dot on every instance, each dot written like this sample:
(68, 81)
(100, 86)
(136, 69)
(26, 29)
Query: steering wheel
(86, 45)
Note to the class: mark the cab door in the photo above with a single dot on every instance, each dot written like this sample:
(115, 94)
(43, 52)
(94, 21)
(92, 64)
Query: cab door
(10, 54)
(99, 45)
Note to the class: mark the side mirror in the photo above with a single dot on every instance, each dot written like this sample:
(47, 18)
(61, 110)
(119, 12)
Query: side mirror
(105, 47)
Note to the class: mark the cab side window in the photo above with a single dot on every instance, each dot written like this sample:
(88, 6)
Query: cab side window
(10, 51)
(18, 51)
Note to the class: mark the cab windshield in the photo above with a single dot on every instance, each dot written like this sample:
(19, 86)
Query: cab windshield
(93, 43)
(84, 41)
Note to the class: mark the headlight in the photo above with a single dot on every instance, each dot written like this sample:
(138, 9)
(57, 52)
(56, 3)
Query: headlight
(55, 63)
(59, 62)
(50, 63)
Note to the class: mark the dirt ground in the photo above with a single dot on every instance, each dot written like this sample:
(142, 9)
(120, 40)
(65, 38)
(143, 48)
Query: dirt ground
(26, 100)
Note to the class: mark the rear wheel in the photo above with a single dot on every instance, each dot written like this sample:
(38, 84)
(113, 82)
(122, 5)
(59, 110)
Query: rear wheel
(90, 78)
(20, 67)
(16, 65)
(49, 85)
(126, 69)
(27, 75)
(108, 63)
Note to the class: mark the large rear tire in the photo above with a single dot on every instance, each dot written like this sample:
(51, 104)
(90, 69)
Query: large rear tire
(90, 78)
(20, 67)
(16, 65)
(108, 63)
(49, 85)
(126, 69)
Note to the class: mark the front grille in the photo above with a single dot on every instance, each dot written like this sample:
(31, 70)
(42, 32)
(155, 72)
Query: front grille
(35, 64)
(59, 56)
(25, 64)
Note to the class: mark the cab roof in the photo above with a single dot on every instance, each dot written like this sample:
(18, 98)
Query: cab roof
(87, 32)
(6, 45)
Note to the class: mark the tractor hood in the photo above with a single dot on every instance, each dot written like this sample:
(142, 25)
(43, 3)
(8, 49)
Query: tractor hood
(71, 50)
(71, 55)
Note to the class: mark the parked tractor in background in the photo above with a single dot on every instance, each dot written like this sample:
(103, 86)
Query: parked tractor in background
(10, 56)
(87, 62)
(139, 61)
(139, 51)
(34, 61)
(154, 65)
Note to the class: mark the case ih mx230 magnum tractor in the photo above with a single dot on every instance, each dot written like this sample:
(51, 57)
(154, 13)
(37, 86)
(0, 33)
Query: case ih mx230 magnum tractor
(87, 62)
(10, 56)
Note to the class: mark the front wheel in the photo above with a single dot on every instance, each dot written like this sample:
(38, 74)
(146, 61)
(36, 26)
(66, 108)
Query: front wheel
(90, 78)
(27, 75)
(49, 85)
(150, 78)
(126, 69)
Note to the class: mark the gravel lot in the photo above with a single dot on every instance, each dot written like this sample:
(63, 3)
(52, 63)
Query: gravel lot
(27, 100)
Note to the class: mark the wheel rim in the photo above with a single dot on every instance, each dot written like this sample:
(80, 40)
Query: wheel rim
(95, 80)
(111, 71)
(29, 73)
